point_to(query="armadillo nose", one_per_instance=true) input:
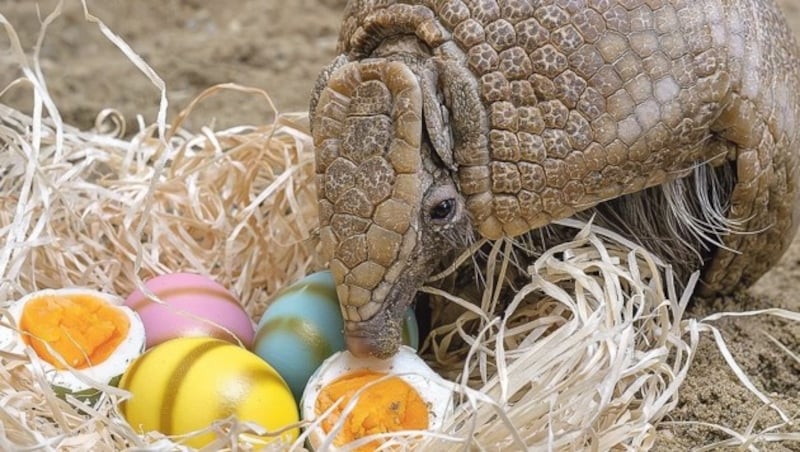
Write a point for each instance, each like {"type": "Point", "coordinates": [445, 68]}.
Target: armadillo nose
{"type": "Point", "coordinates": [361, 346]}
{"type": "Point", "coordinates": [369, 347]}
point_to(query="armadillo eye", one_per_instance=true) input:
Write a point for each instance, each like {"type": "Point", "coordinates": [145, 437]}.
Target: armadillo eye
{"type": "Point", "coordinates": [444, 210]}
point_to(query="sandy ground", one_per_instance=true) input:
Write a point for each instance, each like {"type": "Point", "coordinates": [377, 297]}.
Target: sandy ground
{"type": "Point", "coordinates": [280, 46]}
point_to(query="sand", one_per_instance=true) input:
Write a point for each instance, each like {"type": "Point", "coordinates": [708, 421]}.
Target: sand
{"type": "Point", "coordinates": [280, 47]}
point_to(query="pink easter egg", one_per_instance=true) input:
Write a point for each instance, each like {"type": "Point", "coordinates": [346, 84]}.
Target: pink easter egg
{"type": "Point", "coordinates": [193, 306]}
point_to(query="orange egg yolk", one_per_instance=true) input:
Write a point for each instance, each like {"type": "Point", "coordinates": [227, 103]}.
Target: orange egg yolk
{"type": "Point", "coordinates": [389, 405]}
{"type": "Point", "coordinates": [83, 329]}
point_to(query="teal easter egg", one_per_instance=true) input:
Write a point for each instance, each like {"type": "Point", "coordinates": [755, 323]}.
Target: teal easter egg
{"type": "Point", "coordinates": [303, 326]}
{"type": "Point", "coordinates": [411, 329]}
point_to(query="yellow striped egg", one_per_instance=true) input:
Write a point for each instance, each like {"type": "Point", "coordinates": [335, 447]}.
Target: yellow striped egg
{"type": "Point", "coordinates": [186, 384]}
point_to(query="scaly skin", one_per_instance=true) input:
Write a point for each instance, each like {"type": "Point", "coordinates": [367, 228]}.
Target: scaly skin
{"type": "Point", "coordinates": [442, 120]}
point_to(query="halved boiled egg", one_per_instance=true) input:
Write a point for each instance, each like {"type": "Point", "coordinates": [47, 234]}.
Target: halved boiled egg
{"type": "Point", "coordinates": [401, 394]}
{"type": "Point", "coordinates": [82, 329]}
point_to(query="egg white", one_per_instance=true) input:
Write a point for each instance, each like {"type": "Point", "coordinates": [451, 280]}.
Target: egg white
{"type": "Point", "coordinates": [66, 381]}
{"type": "Point", "coordinates": [406, 364]}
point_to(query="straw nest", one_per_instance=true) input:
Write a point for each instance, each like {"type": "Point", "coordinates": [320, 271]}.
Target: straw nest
{"type": "Point", "coordinates": [589, 353]}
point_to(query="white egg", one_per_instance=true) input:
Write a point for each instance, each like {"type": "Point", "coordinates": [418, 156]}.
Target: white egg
{"type": "Point", "coordinates": [435, 392]}
{"type": "Point", "coordinates": [65, 381]}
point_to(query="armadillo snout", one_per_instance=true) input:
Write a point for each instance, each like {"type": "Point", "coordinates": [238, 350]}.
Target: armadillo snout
{"type": "Point", "coordinates": [380, 336]}
{"type": "Point", "coordinates": [383, 346]}
{"type": "Point", "coordinates": [361, 346]}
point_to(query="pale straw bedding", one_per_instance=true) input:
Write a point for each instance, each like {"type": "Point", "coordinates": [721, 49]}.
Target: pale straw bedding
{"type": "Point", "coordinates": [590, 353]}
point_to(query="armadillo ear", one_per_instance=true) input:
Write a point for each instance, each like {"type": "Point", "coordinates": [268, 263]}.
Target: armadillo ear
{"type": "Point", "coordinates": [322, 82]}
{"type": "Point", "coordinates": [462, 112]}
{"type": "Point", "coordinates": [437, 117]}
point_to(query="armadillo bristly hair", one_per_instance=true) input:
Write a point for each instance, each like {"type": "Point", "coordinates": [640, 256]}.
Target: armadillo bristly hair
{"type": "Point", "coordinates": [673, 122]}
{"type": "Point", "coordinates": [680, 221]}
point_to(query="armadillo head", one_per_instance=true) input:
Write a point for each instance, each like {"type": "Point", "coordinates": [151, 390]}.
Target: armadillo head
{"type": "Point", "coordinates": [389, 207]}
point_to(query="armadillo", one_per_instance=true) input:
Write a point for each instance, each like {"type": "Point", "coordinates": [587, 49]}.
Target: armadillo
{"type": "Point", "coordinates": [676, 121]}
